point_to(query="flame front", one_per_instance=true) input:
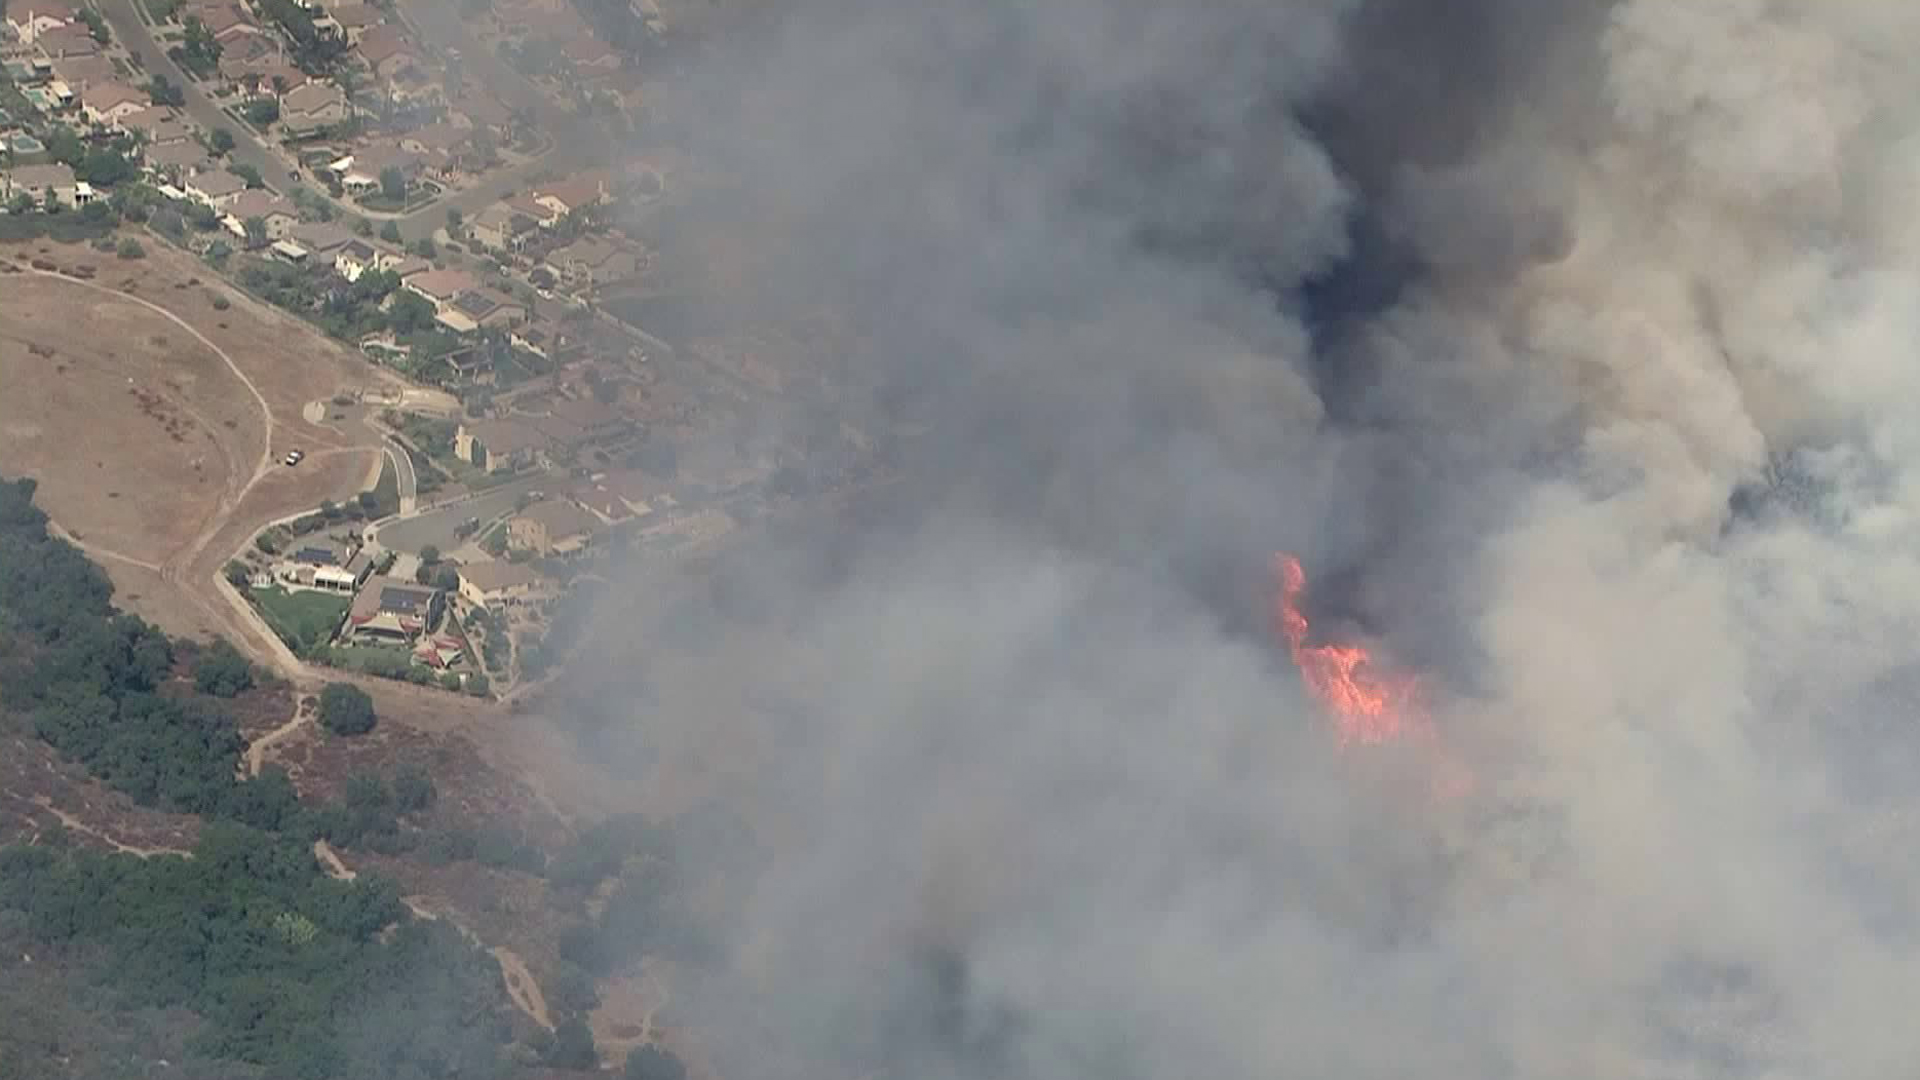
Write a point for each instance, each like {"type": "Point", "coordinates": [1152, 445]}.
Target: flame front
{"type": "Point", "coordinates": [1369, 703]}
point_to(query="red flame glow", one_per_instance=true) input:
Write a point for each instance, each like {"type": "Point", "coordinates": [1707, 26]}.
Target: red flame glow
{"type": "Point", "coordinates": [1369, 703]}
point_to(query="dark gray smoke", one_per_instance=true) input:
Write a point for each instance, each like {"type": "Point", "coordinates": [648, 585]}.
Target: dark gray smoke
{"type": "Point", "coordinates": [1489, 311]}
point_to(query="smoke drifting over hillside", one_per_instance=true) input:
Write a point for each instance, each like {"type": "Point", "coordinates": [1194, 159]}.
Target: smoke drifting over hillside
{"type": "Point", "coordinates": [1046, 808]}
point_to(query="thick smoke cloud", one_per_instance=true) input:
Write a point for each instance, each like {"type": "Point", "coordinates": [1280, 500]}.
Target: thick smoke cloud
{"type": "Point", "coordinates": [1627, 463]}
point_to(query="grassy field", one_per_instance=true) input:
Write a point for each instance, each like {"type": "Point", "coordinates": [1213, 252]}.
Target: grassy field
{"type": "Point", "coordinates": [302, 619]}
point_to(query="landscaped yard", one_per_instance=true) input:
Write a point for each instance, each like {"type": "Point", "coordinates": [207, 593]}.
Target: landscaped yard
{"type": "Point", "coordinates": [302, 618]}
{"type": "Point", "coordinates": [385, 661]}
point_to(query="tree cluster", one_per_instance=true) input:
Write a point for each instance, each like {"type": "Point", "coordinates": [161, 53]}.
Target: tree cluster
{"type": "Point", "coordinates": [290, 970]}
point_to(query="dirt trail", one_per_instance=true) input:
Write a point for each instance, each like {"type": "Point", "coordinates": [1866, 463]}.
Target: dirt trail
{"type": "Point", "coordinates": [76, 825]}
{"type": "Point", "coordinates": [331, 863]}
{"type": "Point", "coordinates": [257, 750]}
{"type": "Point", "coordinates": [521, 985]}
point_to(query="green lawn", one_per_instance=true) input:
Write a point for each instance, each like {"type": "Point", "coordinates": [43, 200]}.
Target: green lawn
{"type": "Point", "coordinates": [302, 619]}
{"type": "Point", "coordinates": [385, 661]}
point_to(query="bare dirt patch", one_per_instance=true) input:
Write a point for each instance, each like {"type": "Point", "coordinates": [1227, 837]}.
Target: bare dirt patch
{"type": "Point", "coordinates": [134, 429]}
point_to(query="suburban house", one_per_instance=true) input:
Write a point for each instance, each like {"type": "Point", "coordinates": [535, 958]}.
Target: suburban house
{"type": "Point", "coordinates": [399, 263]}
{"type": "Point", "coordinates": [309, 108]}
{"type": "Point", "coordinates": [615, 497]}
{"type": "Point", "coordinates": [183, 159]}
{"type": "Point", "coordinates": [81, 72]}
{"type": "Point", "coordinates": [355, 19]}
{"type": "Point", "coordinates": [385, 50]}
{"type": "Point", "coordinates": [551, 528]}
{"type": "Point", "coordinates": [107, 103]}
{"type": "Point", "coordinates": [322, 240]}
{"type": "Point", "coordinates": [441, 286]}
{"type": "Point", "coordinates": [156, 125]}
{"type": "Point", "coordinates": [501, 228]}
{"type": "Point", "coordinates": [41, 182]}
{"type": "Point", "coordinates": [577, 192]}
{"type": "Point", "coordinates": [360, 171]}
{"type": "Point", "coordinates": [343, 578]}
{"type": "Point", "coordinates": [279, 215]}
{"type": "Point", "coordinates": [215, 189]}
{"type": "Point", "coordinates": [498, 445]}
{"type": "Point", "coordinates": [591, 261]}
{"type": "Point", "coordinates": [320, 551]}
{"type": "Point", "coordinates": [545, 338]}
{"type": "Point", "coordinates": [31, 18]}
{"type": "Point", "coordinates": [439, 146]}
{"type": "Point", "coordinates": [482, 112]}
{"type": "Point", "coordinates": [390, 611]}
{"type": "Point", "coordinates": [62, 42]}
{"type": "Point", "coordinates": [355, 257]}
{"type": "Point", "coordinates": [261, 76]}
{"type": "Point", "coordinates": [324, 564]}
{"type": "Point", "coordinates": [497, 584]}
{"type": "Point", "coordinates": [475, 308]}
{"type": "Point", "coordinates": [541, 214]}
{"type": "Point", "coordinates": [225, 21]}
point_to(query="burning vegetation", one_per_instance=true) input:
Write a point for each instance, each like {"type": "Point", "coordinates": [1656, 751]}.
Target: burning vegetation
{"type": "Point", "coordinates": [1370, 703]}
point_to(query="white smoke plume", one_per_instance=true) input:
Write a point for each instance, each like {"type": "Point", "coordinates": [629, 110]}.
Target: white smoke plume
{"type": "Point", "coordinates": [1631, 461]}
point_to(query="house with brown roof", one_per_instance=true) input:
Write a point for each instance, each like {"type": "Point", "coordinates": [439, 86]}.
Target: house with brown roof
{"type": "Point", "coordinates": [617, 496]}
{"type": "Point", "coordinates": [497, 446]}
{"type": "Point", "coordinates": [391, 611]}
{"type": "Point", "coordinates": [279, 215]}
{"type": "Point", "coordinates": [592, 260]}
{"type": "Point", "coordinates": [553, 527]}
{"type": "Point", "coordinates": [321, 239]}
{"type": "Point", "coordinates": [500, 227]}
{"type": "Point", "coordinates": [156, 126]}
{"type": "Point", "coordinates": [440, 147]}
{"type": "Point", "coordinates": [107, 103]}
{"type": "Point", "coordinates": [226, 22]}
{"type": "Point", "coordinates": [385, 50]}
{"type": "Point", "coordinates": [261, 76]}
{"type": "Point", "coordinates": [179, 158]}
{"type": "Point", "coordinates": [482, 307]}
{"type": "Point", "coordinates": [541, 214]}
{"type": "Point", "coordinates": [355, 20]}
{"type": "Point", "coordinates": [482, 110]}
{"type": "Point", "coordinates": [311, 107]}
{"type": "Point", "coordinates": [361, 171]}
{"type": "Point", "coordinates": [41, 183]}
{"type": "Point", "coordinates": [70, 40]}
{"type": "Point", "coordinates": [215, 189]}
{"type": "Point", "coordinates": [441, 286]}
{"type": "Point", "coordinates": [31, 18]}
{"type": "Point", "coordinates": [401, 265]}
{"type": "Point", "coordinates": [571, 193]}
{"type": "Point", "coordinates": [81, 72]}
{"type": "Point", "coordinates": [497, 584]}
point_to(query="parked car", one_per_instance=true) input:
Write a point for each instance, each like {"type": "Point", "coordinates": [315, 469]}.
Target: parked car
{"type": "Point", "coordinates": [294, 457]}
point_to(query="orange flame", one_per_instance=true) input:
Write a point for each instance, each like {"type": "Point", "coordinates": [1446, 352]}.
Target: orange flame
{"type": "Point", "coordinates": [1369, 703]}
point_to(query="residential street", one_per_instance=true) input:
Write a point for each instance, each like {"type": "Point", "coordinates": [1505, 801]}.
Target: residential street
{"type": "Point", "coordinates": [123, 17]}
{"type": "Point", "coordinates": [436, 527]}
